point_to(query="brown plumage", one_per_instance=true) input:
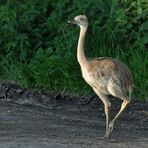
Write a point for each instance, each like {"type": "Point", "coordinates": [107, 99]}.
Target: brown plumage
{"type": "Point", "coordinates": [107, 76]}
{"type": "Point", "coordinates": [106, 68]}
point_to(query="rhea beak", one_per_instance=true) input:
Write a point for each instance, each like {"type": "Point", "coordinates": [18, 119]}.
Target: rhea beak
{"type": "Point", "coordinates": [71, 22]}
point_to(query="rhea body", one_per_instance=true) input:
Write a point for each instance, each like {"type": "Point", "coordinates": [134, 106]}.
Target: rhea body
{"type": "Point", "coordinates": [107, 76]}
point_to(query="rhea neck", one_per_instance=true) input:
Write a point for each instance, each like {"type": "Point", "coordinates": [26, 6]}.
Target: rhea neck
{"type": "Point", "coordinates": [80, 48]}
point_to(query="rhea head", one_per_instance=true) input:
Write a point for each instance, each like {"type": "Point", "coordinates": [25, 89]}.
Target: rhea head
{"type": "Point", "coordinates": [80, 20]}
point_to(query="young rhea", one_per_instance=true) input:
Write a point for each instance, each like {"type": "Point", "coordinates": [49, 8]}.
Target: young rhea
{"type": "Point", "coordinates": [107, 76]}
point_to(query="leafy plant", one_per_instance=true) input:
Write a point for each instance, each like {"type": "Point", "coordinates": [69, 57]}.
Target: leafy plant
{"type": "Point", "coordinates": [38, 48]}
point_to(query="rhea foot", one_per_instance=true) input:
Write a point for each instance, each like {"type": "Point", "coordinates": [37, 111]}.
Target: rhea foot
{"type": "Point", "coordinates": [109, 131]}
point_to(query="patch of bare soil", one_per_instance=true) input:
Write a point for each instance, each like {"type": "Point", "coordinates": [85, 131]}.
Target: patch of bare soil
{"type": "Point", "coordinates": [41, 119]}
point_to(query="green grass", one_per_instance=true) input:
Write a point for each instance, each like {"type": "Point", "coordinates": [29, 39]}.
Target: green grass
{"type": "Point", "coordinates": [38, 47]}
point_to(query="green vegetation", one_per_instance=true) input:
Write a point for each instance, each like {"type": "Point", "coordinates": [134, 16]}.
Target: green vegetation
{"type": "Point", "coordinates": [38, 48]}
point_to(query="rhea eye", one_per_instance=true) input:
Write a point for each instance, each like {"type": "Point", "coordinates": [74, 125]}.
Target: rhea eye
{"type": "Point", "coordinates": [81, 19]}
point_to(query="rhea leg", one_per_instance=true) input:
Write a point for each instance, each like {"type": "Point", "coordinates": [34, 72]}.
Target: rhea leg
{"type": "Point", "coordinates": [107, 106]}
{"type": "Point", "coordinates": [111, 124]}
{"type": "Point", "coordinates": [117, 92]}
{"type": "Point", "coordinates": [107, 111]}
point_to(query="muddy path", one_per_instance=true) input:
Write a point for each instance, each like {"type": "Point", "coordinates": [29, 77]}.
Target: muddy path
{"type": "Point", "coordinates": [41, 119]}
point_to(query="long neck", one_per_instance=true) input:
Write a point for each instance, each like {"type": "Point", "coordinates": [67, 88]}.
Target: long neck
{"type": "Point", "coordinates": [80, 48]}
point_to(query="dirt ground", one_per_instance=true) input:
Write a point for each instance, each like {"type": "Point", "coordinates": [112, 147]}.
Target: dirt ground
{"type": "Point", "coordinates": [41, 119]}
